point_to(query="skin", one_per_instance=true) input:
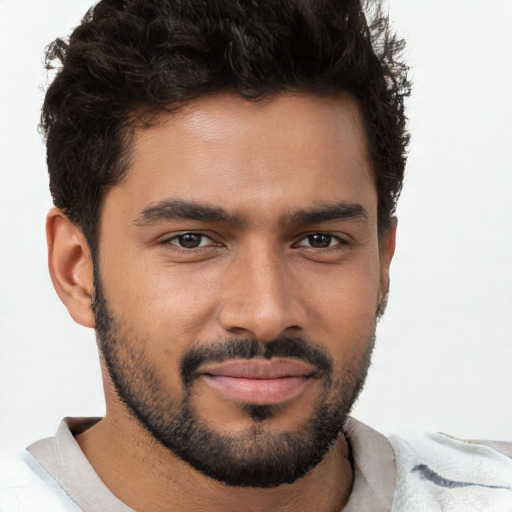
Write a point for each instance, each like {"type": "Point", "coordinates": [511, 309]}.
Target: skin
{"type": "Point", "coordinates": [261, 162]}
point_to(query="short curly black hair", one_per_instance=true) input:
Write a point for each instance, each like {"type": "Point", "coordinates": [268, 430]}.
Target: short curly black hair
{"type": "Point", "coordinates": [128, 55]}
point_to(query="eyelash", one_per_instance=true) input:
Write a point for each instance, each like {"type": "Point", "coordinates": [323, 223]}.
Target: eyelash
{"type": "Point", "coordinates": [340, 241]}
{"type": "Point", "coordinates": [332, 237]}
{"type": "Point", "coordinates": [169, 240]}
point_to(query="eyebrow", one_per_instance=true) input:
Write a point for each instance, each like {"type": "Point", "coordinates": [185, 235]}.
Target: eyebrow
{"type": "Point", "coordinates": [329, 212]}
{"type": "Point", "coordinates": [178, 209]}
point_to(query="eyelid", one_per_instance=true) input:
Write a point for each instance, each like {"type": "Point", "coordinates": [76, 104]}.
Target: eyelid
{"type": "Point", "coordinates": [340, 237]}
{"type": "Point", "coordinates": [168, 239]}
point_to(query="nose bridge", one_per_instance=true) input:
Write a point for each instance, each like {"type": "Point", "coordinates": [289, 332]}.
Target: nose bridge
{"type": "Point", "coordinates": [260, 298]}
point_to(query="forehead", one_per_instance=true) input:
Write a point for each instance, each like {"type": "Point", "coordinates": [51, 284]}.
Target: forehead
{"type": "Point", "coordinates": [289, 149]}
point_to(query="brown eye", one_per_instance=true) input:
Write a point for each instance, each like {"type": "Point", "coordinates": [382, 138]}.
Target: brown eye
{"type": "Point", "coordinates": [190, 240]}
{"type": "Point", "coordinates": [319, 240]}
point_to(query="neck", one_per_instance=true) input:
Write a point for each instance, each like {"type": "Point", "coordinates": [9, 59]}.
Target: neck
{"type": "Point", "coordinates": [147, 476]}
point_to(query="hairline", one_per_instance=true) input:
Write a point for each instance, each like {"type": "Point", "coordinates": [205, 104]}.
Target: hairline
{"type": "Point", "coordinates": [145, 117]}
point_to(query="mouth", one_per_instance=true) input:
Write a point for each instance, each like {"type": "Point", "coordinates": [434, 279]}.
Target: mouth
{"type": "Point", "coordinates": [259, 381]}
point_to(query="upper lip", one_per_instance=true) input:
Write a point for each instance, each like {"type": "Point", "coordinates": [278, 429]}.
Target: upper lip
{"type": "Point", "coordinates": [275, 368]}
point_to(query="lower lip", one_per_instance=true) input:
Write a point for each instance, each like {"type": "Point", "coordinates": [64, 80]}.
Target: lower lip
{"type": "Point", "coordinates": [258, 391]}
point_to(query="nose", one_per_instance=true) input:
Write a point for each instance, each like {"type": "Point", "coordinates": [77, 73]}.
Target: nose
{"type": "Point", "coordinates": [260, 298]}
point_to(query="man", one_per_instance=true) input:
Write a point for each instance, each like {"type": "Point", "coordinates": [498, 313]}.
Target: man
{"type": "Point", "coordinates": [225, 176]}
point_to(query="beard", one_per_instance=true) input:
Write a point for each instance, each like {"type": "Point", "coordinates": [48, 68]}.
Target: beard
{"type": "Point", "coordinates": [260, 456]}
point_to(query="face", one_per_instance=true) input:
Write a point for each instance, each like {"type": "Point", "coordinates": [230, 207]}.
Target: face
{"type": "Point", "coordinates": [238, 281]}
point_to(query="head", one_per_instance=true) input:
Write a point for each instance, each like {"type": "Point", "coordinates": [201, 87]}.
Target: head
{"type": "Point", "coordinates": [225, 176]}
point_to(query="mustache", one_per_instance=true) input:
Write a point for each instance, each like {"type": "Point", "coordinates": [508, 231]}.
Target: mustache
{"type": "Point", "coordinates": [243, 348]}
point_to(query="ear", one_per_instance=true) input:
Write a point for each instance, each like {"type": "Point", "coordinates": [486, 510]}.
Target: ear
{"type": "Point", "coordinates": [70, 265]}
{"type": "Point", "coordinates": [387, 244]}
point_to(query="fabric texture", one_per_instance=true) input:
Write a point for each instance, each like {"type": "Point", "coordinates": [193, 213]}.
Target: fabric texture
{"type": "Point", "coordinates": [25, 486]}
{"type": "Point", "coordinates": [436, 472]}
{"type": "Point", "coordinates": [430, 473]}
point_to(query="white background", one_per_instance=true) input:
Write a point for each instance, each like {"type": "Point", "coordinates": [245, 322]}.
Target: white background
{"type": "Point", "coordinates": [444, 352]}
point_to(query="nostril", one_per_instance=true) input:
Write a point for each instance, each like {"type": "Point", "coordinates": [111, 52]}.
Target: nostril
{"type": "Point", "coordinates": [239, 331]}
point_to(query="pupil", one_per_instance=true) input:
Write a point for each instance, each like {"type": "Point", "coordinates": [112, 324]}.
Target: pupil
{"type": "Point", "coordinates": [190, 241]}
{"type": "Point", "coordinates": [319, 240]}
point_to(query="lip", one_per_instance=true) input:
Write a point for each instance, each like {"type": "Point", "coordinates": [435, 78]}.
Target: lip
{"type": "Point", "coordinates": [259, 381]}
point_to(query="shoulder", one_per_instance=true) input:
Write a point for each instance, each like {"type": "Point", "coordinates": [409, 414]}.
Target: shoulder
{"type": "Point", "coordinates": [439, 472]}
{"type": "Point", "coordinates": [26, 486]}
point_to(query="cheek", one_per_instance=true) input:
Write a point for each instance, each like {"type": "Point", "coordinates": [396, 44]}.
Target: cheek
{"type": "Point", "coordinates": [167, 302]}
{"type": "Point", "coordinates": [342, 304]}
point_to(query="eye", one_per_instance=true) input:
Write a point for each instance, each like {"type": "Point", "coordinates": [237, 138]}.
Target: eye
{"type": "Point", "coordinates": [190, 240]}
{"type": "Point", "coordinates": [320, 241]}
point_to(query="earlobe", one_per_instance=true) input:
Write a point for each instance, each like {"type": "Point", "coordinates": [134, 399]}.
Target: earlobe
{"type": "Point", "coordinates": [387, 250]}
{"type": "Point", "coordinates": [70, 265]}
